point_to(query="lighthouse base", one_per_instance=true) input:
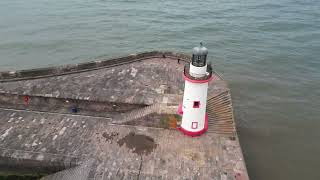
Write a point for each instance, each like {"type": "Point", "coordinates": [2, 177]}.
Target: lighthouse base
{"type": "Point", "coordinates": [196, 133]}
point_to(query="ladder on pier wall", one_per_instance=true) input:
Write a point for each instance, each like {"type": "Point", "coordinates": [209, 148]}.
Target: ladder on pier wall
{"type": "Point", "coordinates": [220, 114]}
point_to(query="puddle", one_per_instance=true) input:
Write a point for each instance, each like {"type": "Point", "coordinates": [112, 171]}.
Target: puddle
{"type": "Point", "coordinates": [139, 144]}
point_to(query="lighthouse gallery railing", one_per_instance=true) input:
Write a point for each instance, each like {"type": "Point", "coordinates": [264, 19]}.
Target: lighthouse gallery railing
{"type": "Point", "coordinates": [208, 75]}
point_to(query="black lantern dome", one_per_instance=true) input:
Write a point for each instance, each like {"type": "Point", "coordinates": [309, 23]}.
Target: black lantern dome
{"type": "Point", "coordinates": [199, 56]}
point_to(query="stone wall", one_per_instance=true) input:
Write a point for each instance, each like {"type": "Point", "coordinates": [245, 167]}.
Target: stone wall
{"type": "Point", "coordinates": [61, 105]}
{"type": "Point", "coordinates": [88, 66]}
{"type": "Point", "coordinates": [49, 164]}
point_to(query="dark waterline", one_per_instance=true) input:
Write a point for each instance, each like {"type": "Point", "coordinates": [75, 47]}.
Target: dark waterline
{"type": "Point", "coordinates": [267, 50]}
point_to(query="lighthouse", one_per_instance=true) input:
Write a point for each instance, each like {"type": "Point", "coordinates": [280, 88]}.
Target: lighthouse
{"type": "Point", "coordinates": [197, 76]}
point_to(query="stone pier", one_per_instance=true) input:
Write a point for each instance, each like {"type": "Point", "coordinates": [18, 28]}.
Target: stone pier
{"type": "Point", "coordinates": [114, 119]}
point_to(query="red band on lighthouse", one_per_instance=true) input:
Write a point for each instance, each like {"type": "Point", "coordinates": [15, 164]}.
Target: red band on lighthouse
{"type": "Point", "coordinates": [196, 133]}
{"type": "Point", "coordinates": [180, 111]}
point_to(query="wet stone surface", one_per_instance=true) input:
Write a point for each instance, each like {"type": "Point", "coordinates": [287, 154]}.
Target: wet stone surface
{"type": "Point", "coordinates": [138, 143]}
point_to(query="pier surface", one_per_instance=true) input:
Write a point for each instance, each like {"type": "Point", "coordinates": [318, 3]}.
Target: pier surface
{"type": "Point", "coordinates": [111, 119]}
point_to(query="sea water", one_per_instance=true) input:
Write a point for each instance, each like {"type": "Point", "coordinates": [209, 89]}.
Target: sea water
{"type": "Point", "coordinates": [268, 51]}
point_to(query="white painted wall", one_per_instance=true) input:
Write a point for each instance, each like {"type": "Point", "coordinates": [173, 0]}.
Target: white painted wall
{"type": "Point", "coordinates": [194, 92]}
{"type": "Point", "coordinates": [198, 71]}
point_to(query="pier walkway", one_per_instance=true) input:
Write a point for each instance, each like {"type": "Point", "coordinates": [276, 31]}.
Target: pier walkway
{"type": "Point", "coordinates": [101, 120]}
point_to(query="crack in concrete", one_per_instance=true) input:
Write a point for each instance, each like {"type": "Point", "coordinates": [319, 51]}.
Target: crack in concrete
{"type": "Point", "coordinates": [140, 168]}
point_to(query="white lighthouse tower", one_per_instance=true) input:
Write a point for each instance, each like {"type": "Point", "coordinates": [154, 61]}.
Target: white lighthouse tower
{"type": "Point", "coordinates": [197, 75]}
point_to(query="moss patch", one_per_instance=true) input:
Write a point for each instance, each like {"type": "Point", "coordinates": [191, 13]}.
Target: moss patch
{"type": "Point", "coordinates": [170, 121]}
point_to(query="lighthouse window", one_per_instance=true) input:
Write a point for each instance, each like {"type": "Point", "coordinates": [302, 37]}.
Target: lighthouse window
{"type": "Point", "coordinates": [199, 60]}
{"type": "Point", "coordinates": [194, 125]}
{"type": "Point", "coordinates": [196, 104]}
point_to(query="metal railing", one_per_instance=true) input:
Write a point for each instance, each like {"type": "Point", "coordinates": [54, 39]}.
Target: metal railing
{"type": "Point", "coordinates": [208, 75]}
